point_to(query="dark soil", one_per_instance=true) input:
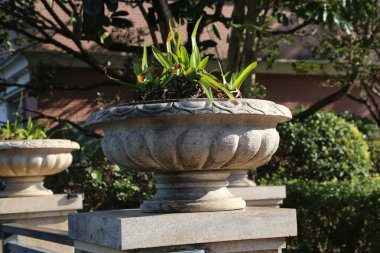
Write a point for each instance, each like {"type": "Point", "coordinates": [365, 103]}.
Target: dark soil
{"type": "Point", "coordinates": [178, 87]}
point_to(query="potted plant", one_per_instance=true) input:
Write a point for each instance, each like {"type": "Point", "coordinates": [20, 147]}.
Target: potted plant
{"type": "Point", "coordinates": [190, 128]}
{"type": "Point", "coordinates": [27, 156]}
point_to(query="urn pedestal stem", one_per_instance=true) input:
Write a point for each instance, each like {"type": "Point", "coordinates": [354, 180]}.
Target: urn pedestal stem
{"type": "Point", "coordinates": [197, 191]}
{"type": "Point", "coordinates": [25, 187]}
{"type": "Point", "coordinates": [239, 178]}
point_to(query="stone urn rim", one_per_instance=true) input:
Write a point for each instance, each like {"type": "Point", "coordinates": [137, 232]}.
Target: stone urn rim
{"type": "Point", "coordinates": [39, 144]}
{"type": "Point", "coordinates": [191, 106]}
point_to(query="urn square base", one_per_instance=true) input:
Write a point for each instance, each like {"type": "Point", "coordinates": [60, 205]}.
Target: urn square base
{"type": "Point", "coordinates": [253, 229]}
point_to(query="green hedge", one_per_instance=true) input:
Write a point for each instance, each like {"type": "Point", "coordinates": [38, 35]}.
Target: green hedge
{"type": "Point", "coordinates": [322, 147]}
{"type": "Point", "coordinates": [340, 216]}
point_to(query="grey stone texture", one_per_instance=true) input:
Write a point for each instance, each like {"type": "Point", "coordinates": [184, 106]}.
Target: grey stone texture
{"type": "Point", "coordinates": [125, 230]}
{"type": "Point", "coordinates": [191, 135]}
{"type": "Point", "coordinates": [263, 196]}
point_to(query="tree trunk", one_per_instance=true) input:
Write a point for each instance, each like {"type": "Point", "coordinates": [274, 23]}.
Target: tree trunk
{"type": "Point", "coordinates": [165, 16]}
{"type": "Point", "coordinates": [249, 53]}
{"type": "Point", "coordinates": [233, 56]}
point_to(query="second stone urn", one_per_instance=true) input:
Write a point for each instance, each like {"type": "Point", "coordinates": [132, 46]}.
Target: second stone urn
{"type": "Point", "coordinates": [25, 163]}
{"type": "Point", "coordinates": [192, 145]}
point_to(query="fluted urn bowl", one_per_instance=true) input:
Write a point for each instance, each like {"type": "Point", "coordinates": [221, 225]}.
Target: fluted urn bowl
{"type": "Point", "coordinates": [191, 145]}
{"type": "Point", "coordinates": [25, 163]}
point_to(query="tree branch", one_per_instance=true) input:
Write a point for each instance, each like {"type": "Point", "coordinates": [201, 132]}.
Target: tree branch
{"type": "Point", "coordinates": [292, 30]}
{"type": "Point", "coordinates": [85, 131]}
{"type": "Point", "coordinates": [54, 15]}
{"type": "Point", "coordinates": [372, 99]}
{"type": "Point", "coordinates": [323, 102]}
{"type": "Point", "coordinates": [150, 27]}
{"type": "Point", "coordinates": [375, 116]}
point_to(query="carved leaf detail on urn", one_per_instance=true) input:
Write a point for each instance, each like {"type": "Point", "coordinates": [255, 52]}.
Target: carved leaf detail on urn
{"type": "Point", "coordinates": [191, 145]}
{"type": "Point", "coordinates": [217, 135]}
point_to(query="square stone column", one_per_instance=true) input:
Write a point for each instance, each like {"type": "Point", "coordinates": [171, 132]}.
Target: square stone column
{"type": "Point", "coordinates": [253, 229]}
{"type": "Point", "coordinates": [45, 211]}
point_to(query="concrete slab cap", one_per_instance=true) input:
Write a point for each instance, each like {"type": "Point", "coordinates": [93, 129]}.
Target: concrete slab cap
{"type": "Point", "coordinates": [57, 202]}
{"type": "Point", "coordinates": [259, 192]}
{"type": "Point", "coordinates": [131, 229]}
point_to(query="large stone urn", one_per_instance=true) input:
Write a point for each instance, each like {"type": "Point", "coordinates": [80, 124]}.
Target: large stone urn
{"type": "Point", "coordinates": [192, 145]}
{"type": "Point", "coordinates": [25, 163]}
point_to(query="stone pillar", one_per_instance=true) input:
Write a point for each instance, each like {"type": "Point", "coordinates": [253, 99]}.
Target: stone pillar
{"type": "Point", "coordinates": [45, 211]}
{"type": "Point", "coordinates": [253, 229]}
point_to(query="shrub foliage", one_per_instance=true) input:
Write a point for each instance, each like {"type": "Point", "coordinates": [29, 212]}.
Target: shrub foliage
{"type": "Point", "coordinates": [338, 216]}
{"type": "Point", "coordinates": [322, 147]}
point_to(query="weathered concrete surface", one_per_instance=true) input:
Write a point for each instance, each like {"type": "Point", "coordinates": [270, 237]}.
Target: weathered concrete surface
{"type": "Point", "coordinates": [131, 229]}
{"type": "Point", "coordinates": [264, 196]}
{"type": "Point", "coordinates": [36, 205]}
{"type": "Point", "coordinates": [47, 211]}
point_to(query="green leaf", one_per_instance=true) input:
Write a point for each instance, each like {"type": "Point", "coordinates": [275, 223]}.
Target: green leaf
{"type": "Point", "coordinates": [129, 85]}
{"type": "Point", "coordinates": [166, 80]}
{"type": "Point", "coordinates": [160, 58]}
{"type": "Point", "coordinates": [243, 75]}
{"type": "Point", "coordinates": [144, 62]}
{"type": "Point", "coordinates": [203, 63]}
{"type": "Point", "coordinates": [103, 37]}
{"type": "Point", "coordinates": [169, 46]}
{"type": "Point", "coordinates": [206, 88]}
{"type": "Point", "coordinates": [94, 175]}
{"type": "Point", "coordinates": [136, 69]}
{"type": "Point", "coordinates": [179, 37]}
{"type": "Point", "coordinates": [221, 72]}
{"type": "Point", "coordinates": [175, 57]}
{"type": "Point", "coordinates": [185, 56]}
{"type": "Point", "coordinates": [195, 55]}
{"type": "Point", "coordinates": [188, 71]}
{"type": "Point", "coordinates": [212, 81]}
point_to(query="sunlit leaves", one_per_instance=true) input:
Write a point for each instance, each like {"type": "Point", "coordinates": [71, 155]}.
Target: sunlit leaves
{"type": "Point", "coordinates": [16, 131]}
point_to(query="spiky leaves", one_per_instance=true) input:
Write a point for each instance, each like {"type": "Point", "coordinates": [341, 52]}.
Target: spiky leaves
{"type": "Point", "coordinates": [184, 75]}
